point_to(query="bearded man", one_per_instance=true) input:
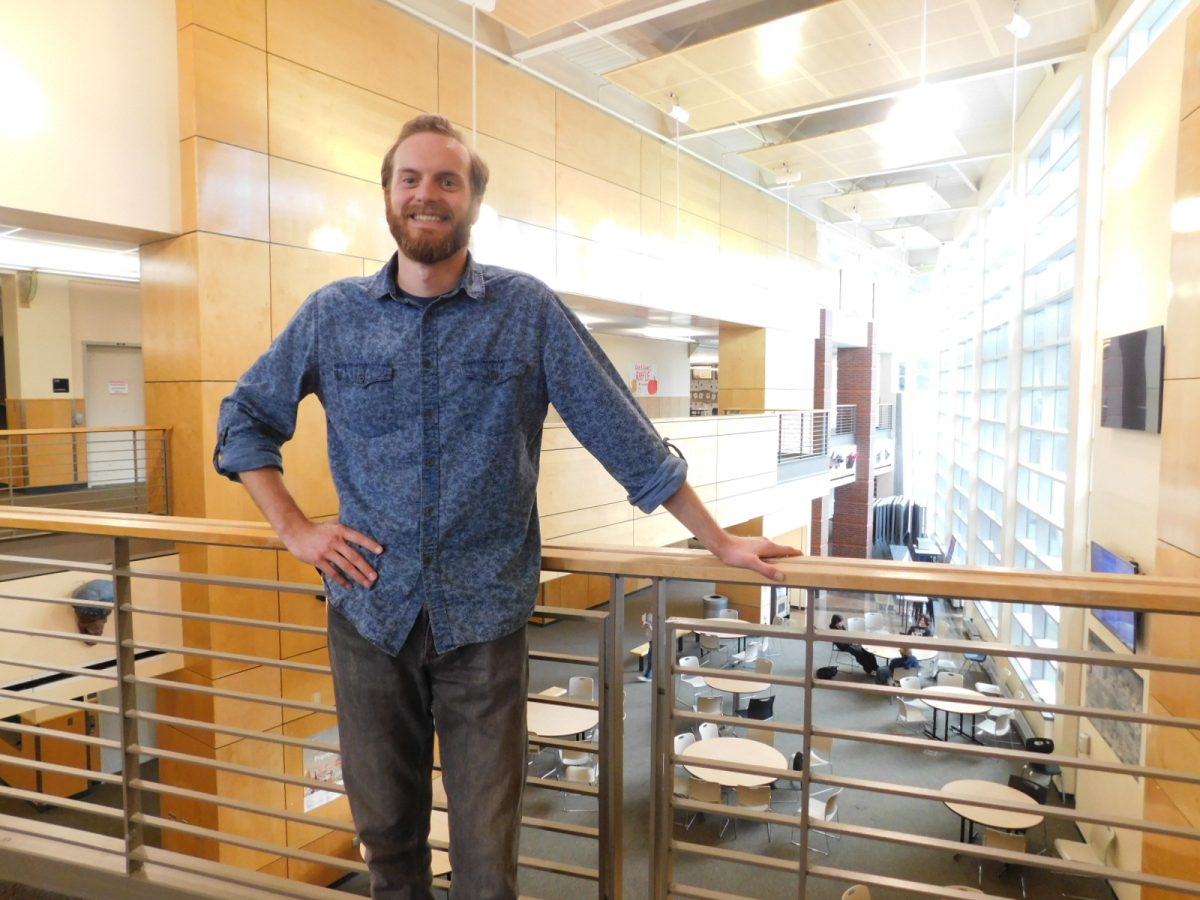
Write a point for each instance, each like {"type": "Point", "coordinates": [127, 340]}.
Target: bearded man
{"type": "Point", "coordinates": [435, 374]}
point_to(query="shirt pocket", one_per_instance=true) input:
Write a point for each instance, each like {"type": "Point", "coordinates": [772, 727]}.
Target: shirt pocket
{"type": "Point", "coordinates": [498, 394]}
{"type": "Point", "coordinates": [365, 399]}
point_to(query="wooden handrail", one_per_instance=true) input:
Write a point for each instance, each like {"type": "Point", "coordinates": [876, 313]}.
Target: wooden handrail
{"type": "Point", "coordinates": [1151, 594]}
{"type": "Point", "coordinates": [23, 432]}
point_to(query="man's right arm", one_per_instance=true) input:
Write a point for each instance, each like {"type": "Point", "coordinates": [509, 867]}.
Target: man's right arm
{"type": "Point", "coordinates": [326, 545]}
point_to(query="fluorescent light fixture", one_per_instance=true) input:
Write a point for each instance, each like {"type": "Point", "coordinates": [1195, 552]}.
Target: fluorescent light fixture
{"type": "Point", "coordinates": [482, 5]}
{"type": "Point", "coordinates": [679, 114]}
{"type": "Point", "coordinates": [664, 333]}
{"type": "Point", "coordinates": [67, 259]}
{"type": "Point", "coordinates": [787, 175]}
{"type": "Point", "coordinates": [779, 44]}
{"type": "Point", "coordinates": [1019, 27]}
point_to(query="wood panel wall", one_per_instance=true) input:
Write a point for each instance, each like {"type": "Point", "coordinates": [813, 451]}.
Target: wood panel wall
{"type": "Point", "coordinates": [286, 108]}
{"type": "Point", "coordinates": [1179, 517]}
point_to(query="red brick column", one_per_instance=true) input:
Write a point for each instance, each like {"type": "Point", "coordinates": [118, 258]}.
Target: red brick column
{"type": "Point", "coordinates": [851, 534]}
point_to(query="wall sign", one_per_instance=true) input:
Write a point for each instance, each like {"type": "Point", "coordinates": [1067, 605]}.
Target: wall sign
{"type": "Point", "coordinates": [61, 385]}
{"type": "Point", "coordinates": [118, 387]}
{"type": "Point", "coordinates": [645, 380]}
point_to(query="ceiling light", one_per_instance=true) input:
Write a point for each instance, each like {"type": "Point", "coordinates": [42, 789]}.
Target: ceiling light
{"type": "Point", "coordinates": [678, 113]}
{"type": "Point", "coordinates": [486, 6]}
{"type": "Point", "coordinates": [785, 174]}
{"type": "Point", "coordinates": [1019, 27]}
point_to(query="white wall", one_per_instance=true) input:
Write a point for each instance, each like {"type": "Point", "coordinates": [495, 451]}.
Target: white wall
{"type": "Point", "coordinates": [669, 357]}
{"type": "Point", "coordinates": [41, 342]}
{"type": "Point", "coordinates": [89, 115]}
{"type": "Point", "coordinates": [102, 313]}
{"type": "Point", "coordinates": [1135, 265]}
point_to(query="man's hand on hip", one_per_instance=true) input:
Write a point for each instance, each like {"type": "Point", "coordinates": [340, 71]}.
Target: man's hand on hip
{"type": "Point", "coordinates": [330, 547]}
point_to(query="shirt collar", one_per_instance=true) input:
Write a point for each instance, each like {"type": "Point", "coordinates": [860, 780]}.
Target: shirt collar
{"type": "Point", "coordinates": [383, 284]}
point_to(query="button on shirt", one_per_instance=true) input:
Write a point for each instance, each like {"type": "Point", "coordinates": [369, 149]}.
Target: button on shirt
{"type": "Point", "coordinates": [434, 416]}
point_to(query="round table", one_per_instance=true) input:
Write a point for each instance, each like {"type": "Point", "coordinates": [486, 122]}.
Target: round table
{"type": "Point", "coordinates": [742, 751]}
{"type": "Point", "coordinates": [890, 651]}
{"type": "Point", "coordinates": [735, 686]}
{"type": "Point", "coordinates": [1002, 819]}
{"type": "Point", "coordinates": [959, 701]}
{"type": "Point", "coordinates": [558, 720]}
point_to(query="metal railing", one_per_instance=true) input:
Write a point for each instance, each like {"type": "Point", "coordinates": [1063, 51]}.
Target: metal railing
{"type": "Point", "coordinates": [173, 790]}
{"type": "Point", "coordinates": [846, 419]}
{"type": "Point", "coordinates": [109, 469]}
{"type": "Point", "coordinates": [887, 417]}
{"type": "Point", "coordinates": [803, 433]}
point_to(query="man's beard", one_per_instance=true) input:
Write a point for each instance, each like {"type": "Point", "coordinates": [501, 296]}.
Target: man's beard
{"type": "Point", "coordinates": [427, 249]}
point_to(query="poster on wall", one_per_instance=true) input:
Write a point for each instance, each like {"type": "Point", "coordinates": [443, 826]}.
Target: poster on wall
{"type": "Point", "coordinates": [322, 765]}
{"type": "Point", "coordinates": [1110, 687]}
{"type": "Point", "coordinates": [645, 380]}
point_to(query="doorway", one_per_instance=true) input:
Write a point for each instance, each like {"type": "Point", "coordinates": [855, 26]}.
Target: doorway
{"type": "Point", "coordinates": [114, 395]}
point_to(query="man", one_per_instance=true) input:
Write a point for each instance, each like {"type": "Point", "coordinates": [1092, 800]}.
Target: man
{"type": "Point", "coordinates": [435, 375]}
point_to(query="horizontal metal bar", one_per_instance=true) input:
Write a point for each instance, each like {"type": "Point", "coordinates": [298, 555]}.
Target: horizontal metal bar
{"type": "Point", "coordinates": [753, 859]}
{"type": "Point", "coordinates": [237, 840]}
{"type": "Point", "coordinates": [60, 669]}
{"type": "Point", "coordinates": [559, 868]}
{"type": "Point", "coordinates": [166, 684]}
{"type": "Point", "coordinates": [563, 612]}
{"type": "Point", "coordinates": [42, 562]}
{"type": "Point", "coordinates": [82, 806]}
{"type": "Point", "coordinates": [569, 828]}
{"type": "Point", "coordinates": [565, 744]}
{"type": "Point", "coordinates": [217, 800]}
{"type": "Point", "coordinates": [55, 768]}
{"type": "Point", "coordinates": [72, 636]}
{"type": "Point", "coordinates": [247, 878]}
{"type": "Point", "coordinates": [40, 731]}
{"type": "Point", "coordinates": [65, 704]}
{"type": "Point", "coordinates": [257, 584]}
{"type": "Point", "coordinates": [568, 658]}
{"type": "Point", "coordinates": [220, 728]}
{"type": "Point", "coordinates": [237, 769]}
{"type": "Point", "coordinates": [227, 620]}
{"type": "Point", "coordinates": [231, 657]}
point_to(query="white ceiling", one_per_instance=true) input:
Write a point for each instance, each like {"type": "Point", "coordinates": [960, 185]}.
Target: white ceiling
{"type": "Point", "coordinates": [801, 92]}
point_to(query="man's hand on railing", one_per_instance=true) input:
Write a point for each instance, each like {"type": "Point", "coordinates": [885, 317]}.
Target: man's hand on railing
{"type": "Point", "coordinates": [752, 552]}
{"type": "Point", "coordinates": [734, 550]}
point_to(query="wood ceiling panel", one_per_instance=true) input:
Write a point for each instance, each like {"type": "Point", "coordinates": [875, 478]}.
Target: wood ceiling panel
{"type": "Point", "coordinates": [534, 17]}
{"type": "Point", "coordinates": [841, 49]}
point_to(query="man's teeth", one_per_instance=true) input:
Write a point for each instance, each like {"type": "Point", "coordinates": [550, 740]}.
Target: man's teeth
{"type": "Point", "coordinates": [427, 218]}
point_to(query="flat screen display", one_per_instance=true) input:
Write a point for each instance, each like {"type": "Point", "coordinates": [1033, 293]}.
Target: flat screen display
{"type": "Point", "coordinates": [1121, 622]}
{"type": "Point", "coordinates": [1131, 381]}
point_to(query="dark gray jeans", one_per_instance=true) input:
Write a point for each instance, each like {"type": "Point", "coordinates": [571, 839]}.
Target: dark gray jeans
{"type": "Point", "coordinates": [387, 706]}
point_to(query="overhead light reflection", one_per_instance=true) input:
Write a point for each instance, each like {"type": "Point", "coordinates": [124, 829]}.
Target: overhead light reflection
{"type": "Point", "coordinates": [1185, 215]}
{"type": "Point", "coordinates": [779, 43]}
{"type": "Point", "coordinates": [23, 104]}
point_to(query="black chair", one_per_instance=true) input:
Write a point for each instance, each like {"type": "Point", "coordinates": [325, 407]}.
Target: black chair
{"type": "Point", "coordinates": [761, 708]}
{"type": "Point", "coordinates": [1047, 770]}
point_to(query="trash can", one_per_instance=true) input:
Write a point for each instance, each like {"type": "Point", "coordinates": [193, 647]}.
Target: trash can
{"type": "Point", "coordinates": [714, 605]}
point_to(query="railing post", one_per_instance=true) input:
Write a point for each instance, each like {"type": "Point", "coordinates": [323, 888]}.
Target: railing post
{"type": "Point", "coordinates": [139, 506]}
{"type": "Point", "coordinates": [166, 471]}
{"type": "Point", "coordinates": [612, 746]}
{"type": "Point", "coordinates": [661, 777]}
{"type": "Point", "coordinates": [805, 780]}
{"type": "Point", "coordinates": [131, 795]}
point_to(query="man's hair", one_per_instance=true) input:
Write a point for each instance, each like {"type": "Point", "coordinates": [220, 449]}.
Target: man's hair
{"type": "Point", "coordinates": [435, 124]}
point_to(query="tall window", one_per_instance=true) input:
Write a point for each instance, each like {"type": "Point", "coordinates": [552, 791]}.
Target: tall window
{"type": "Point", "coordinates": [1052, 178]}
{"type": "Point", "coordinates": [1036, 625]}
{"type": "Point", "coordinates": [1145, 31]}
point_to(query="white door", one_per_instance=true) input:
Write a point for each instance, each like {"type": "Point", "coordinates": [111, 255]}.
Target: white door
{"type": "Point", "coordinates": [114, 397]}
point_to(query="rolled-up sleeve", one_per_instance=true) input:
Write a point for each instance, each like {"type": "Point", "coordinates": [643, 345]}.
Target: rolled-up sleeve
{"type": "Point", "coordinates": [600, 411]}
{"type": "Point", "coordinates": [259, 416]}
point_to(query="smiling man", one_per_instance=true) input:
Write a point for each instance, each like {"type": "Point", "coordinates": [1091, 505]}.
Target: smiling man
{"type": "Point", "coordinates": [435, 375]}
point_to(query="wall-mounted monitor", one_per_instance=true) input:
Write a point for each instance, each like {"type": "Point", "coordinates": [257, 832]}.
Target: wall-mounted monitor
{"type": "Point", "coordinates": [1121, 622]}
{"type": "Point", "coordinates": [1131, 381]}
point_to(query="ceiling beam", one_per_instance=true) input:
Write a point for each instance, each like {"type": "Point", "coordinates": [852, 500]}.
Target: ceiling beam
{"type": "Point", "coordinates": [587, 34]}
{"type": "Point", "coordinates": [1037, 58]}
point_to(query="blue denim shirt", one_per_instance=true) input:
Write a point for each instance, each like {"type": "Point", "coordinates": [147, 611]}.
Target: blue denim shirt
{"type": "Point", "coordinates": [435, 415]}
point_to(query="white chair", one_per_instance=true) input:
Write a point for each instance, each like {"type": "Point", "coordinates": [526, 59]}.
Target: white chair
{"type": "Point", "coordinates": [709, 643]}
{"type": "Point", "coordinates": [818, 744]}
{"type": "Point", "coordinates": [762, 735]}
{"type": "Point", "coordinates": [728, 614]}
{"type": "Point", "coordinates": [1004, 840]}
{"type": "Point", "coordinates": [704, 792]}
{"type": "Point", "coordinates": [822, 809]}
{"type": "Point", "coordinates": [711, 704]}
{"type": "Point", "coordinates": [997, 724]}
{"type": "Point", "coordinates": [949, 679]}
{"type": "Point", "coordinates": [581, 687]}
{"type": "Point", "coordinates": [910, 713]}
{"type": "Point", "coordinates": [856, 623]}
{"type": "Point", "coordinates": [749, 655]}
{"type": "Point", "coordinates": [857, 892]}
{"type": "Point", "coordinates": [695, 682]}
{"type": "Point", "coordinates": [768, 646]}
{"type": "Point", "coordinates": [1096, 853]}
{"type": "Point", "coordinates": [683, 740]}
{"type": "Point", "coordinates": [910, 682]}
{"type": "Point", "coordinates": [708, 731]}
{"type": "Point", "coordinates": [873, 621]}
{"type": "Point", "coordinates": [756, 798]}
{"type": "Point", "coordinates": [586, 775]}
{"type": "Point", "coordinates": [986, 687]}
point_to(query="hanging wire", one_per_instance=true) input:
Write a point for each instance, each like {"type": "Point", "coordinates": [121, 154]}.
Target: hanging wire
{"type": "Point", "coordinates": [474, 83]}
{"type": "Point", "coordinates": [924, 36]}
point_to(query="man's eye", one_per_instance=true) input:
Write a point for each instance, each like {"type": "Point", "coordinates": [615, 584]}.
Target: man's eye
{"type": "Point", "coordinates": [449, 183]}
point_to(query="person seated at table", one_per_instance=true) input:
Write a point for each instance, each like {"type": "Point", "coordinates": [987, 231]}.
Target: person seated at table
{"type": "Point", "coordinates": [865, 658]}
{"type": "Point", "coordinates": [906, 660]}
{"type": "Point", "coordinates": [921, 629]}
